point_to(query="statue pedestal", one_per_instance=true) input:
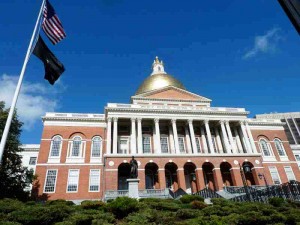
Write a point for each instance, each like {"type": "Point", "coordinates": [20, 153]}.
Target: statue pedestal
{"type": "Point", "coordinates": [133, 188]}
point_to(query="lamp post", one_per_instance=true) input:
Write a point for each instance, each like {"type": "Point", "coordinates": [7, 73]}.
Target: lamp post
{"type": "Point", "coordinates": [262, 176]}
{"type": "Point", "coordinates": [243, 170]}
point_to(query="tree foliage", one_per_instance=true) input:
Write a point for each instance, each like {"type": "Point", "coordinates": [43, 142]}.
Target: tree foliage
{"type": "Point", "coordinates": [14, 178]}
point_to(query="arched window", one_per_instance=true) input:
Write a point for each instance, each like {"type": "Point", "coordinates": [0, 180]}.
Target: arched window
{"type": "Point", "coordinates": [56, 144]}
{"type": "Point", "coordinates": [96, 147]}
{"type": "Point", "coordinates": [76, 146]}
{"type": "Point", "coordinates": [279, 147]}
{"type": "Point", "coordinates": [265, 147]}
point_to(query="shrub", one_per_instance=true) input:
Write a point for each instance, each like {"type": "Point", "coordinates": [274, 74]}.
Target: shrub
{"type": "Point", "coordinates": [10, 205]}
{"type": "Point", "coordinates": [186, 213]}
{"type": "Point", "coordinates": [59, 202]}
{"type": "Point", "coordinates": [198, 205]}
{"type": "Point", "coordinates": [92, 204]}
{"type": "Point", "coordinates": [276, 201]}
{"type": "Point", "coordinates": [160, 204]}
{"type": "Point", "coordinates": [9, 223]}
{"type": "Point", "coordinates": [190, 198]}
{"type": "Point", "coordinates": [122, 206]}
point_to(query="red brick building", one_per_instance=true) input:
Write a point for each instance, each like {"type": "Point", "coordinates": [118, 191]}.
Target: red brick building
{"type": "Point", "coordinates": [178, 139]}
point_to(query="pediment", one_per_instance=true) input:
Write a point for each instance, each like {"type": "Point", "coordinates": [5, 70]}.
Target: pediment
{"type": "Point", "coordinates": [172, 93]}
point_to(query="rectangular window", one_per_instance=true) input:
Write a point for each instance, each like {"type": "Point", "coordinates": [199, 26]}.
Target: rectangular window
{"type": "Point", "coordinates": [164, 144]}
{"type": "Point", "coordinates": [289, 173]}
{"type": "Point", "coordinates": [73, 179]}
{"type": "Point", "coordinates": [274, 175]}
{"type": "Point", "coordinates": [181, 144]}
{"type": "Point", "coordinates": [146, 144]}
{"type": "Point", "coordinates": [32, 161]}
{"type": "Point", "coordinates": [96, 148]}
{"type": "Point", "coordinates": [94, 180]}
{"type": "Point", "coordinates": [297, 157]}
{"type": "Point", "coordinates": [198, 145]}
{"type": "Point", "coordinates": [123, 146]}
{"type": "Point", "coordinates": [50, 181]}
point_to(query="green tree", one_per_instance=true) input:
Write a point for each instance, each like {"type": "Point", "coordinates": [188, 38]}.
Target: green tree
{"type": "Point", "coordinates": [14, 178]}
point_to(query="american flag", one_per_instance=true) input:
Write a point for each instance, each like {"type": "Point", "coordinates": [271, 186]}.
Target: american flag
{"type": "Point", "coordinates": [52, 25]}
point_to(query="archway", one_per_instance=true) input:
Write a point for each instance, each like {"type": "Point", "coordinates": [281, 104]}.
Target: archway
{"type": "Point", "coordinates": [226, 174]}
{"type": "Point", "coordinates": [208, 175]}
{"type": "Point", "coordinates": [190, 177]}
{"type": "Point", "coordinates": [151, 176]}
{"type": "Point", "coordinates": [123, 175]}
{"type": "Point", "coordinates": [249, 173]}
{"type": "Point", "coordinates": [171, 176]}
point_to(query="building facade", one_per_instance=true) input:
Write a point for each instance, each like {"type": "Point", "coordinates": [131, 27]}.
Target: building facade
{"type": "Point", "coordinates": [177, 137]}
{"type": "Point", "coordinates": [291, 127]}
{"type": "Point", "coordinates": [29, 155]}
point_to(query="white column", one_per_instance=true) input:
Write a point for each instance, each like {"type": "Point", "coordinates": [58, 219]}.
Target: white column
{"type": "Point", "coordinates": [238, 140]}
{"type": "Point", "coordinates": [254, 150]}
{"type": "Point", "coordinates": [175, 136]}
{"type": "Point", "coordinates": [232, 145]}
{"type": "Point", "coordinates": [171, 139]}
{"type": "Point", "coordinates": [244, 149]}
{"type": "Point", "coordinates": [157, 137]}
{"type": "Point", "coordinates": [245, 137]}
{"type": "Point", "coordinates": [140, 136]}
{"type": "Point", "coordinates": [225, 138]}
{"type": "Point", "coordinates": [296, 125]}
{"type": "Point", "coordinates": [219, 143]}
{"type": "Point", "coordinates": [210, 143]}
{"type": "Point", "coordinates": [188, 139]}
{"type": "Point", "coordinates": [115, 138]}
{"type": "Point", "coordinates": [192, 133]}
{"type": "Point", "coordinates": [108, 136]}
{"type": "Point", "coordinates": [291, 131]}
{"type": "Point", "coordinates": [204, 142]}
{"type": "Point", "coordinates": [133, 137]}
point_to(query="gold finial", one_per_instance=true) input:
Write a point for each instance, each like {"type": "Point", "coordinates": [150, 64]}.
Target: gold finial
{"type": "Point", "coordinates": [156, 59]}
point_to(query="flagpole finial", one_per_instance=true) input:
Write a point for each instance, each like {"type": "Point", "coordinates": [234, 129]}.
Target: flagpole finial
{"type": "Point", "coordinates": [158, 67]}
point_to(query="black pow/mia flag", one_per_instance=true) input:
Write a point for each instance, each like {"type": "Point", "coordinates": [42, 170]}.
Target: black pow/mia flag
{"type": "Point", "coordinates": [53, 67]}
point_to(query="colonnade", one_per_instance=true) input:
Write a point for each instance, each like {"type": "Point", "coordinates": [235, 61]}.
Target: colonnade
{"type": "Point", "coordinates": [225, 141]}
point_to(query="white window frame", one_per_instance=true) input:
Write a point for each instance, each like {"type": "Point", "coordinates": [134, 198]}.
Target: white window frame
{"type": "Point", "coordinates": [292, 172]}
{"type": "Point", "coordinates": [184, 150]}
{"type": "Point", "coordinates": [297, 157]}
{"type": "Point", "coordinates": [150, 140]}
{"type": "Point", "coordinates": [69, 181]}
{"type": "Point", "coordinates": [282, 157]}
{"type": "Point", "coordinates": [55, 159]}
{"type": "Point", "coordinates": [81, 156]}
{"type": "Point", "coordinates": [32, 157]}
{"type": "Point", "coordinates": [274, 169]}
{"type": "Point", "coordinates": [96, 159]}
{"type": "Point", "coordinates": [270, 157]}
{"type": "Point", "coordinates": [56, 173]}
{"type": "Point", "coordinates": [121, 138]}
{"type": "Point", "coordinates": [164, 136]}
{"type": "Point", "coordinates": [199, 147]}
{"type": "Point", "coordinates": [91, 177]}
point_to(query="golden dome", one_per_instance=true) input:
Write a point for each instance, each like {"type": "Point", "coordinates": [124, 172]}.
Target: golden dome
{"type": "Point", "coordinates": [158, 79]}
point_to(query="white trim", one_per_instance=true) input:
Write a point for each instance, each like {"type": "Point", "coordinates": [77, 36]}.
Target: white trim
{"type": "Point", "coordinates": [276, 172]}
{"type": "Point", "coordinates": [292, 172]}
{"type": "Point", "coordinates": [279, 162]}
{"type": "Point", "coordinates": [46, 180]}
{"type": "Point", "coordinates": [99, 158]}
{"type": "Point", "coordinates": [55, 158]}
{"type": "Point", "coordinates": [111, 170]}
{"type": "Point", "coordinates": [265, 127]}
{"type": "Point", "coordinates": [182, 155]}
{"type": "Point", "coordinates": [75, 123]}
{"type": "Point", "coordinates": [90, 180]}
{"type": "Point", "coordinates": [69, 164]}
{"type": "Point", "coordinates": [77, 181]}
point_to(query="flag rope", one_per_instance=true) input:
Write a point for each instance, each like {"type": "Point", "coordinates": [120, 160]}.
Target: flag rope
{"type": "Point", "coordinates": [17, 91]}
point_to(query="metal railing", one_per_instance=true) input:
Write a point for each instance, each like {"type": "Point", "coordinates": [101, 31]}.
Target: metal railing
{"type": "Point", "coordinates": [208, 193]}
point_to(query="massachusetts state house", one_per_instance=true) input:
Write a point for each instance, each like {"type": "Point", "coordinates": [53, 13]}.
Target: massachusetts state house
{"type": "Point", "coordinates": [179, 141]}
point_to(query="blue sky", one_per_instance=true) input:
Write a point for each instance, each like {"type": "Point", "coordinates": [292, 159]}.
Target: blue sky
{"type": "Point", "coordinates": [237, 53]}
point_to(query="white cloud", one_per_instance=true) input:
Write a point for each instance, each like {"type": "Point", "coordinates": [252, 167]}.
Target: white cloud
{"type": "Point", "coordinates": [34, 99]}
{"type": "Point", "coordinates": [264, 43]}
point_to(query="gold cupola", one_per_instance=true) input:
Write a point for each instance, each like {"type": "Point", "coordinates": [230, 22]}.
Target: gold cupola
{"type": "Point", "coordinates": [158, 79]}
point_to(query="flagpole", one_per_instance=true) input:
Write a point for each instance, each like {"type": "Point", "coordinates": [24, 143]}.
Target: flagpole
{"type": "Point", "coordinates": [17, 91]}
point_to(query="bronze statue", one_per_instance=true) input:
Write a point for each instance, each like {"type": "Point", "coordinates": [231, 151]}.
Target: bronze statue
{"type": "Point", "coordinates": [134, 168]}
